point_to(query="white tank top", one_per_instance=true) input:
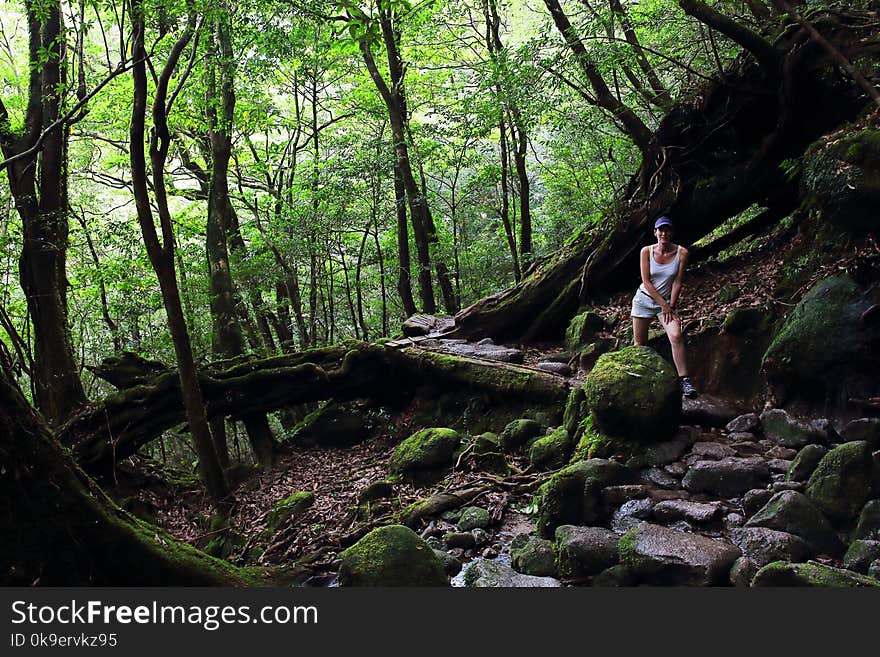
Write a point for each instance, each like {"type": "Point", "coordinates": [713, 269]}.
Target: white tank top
{"type": "Point", "coordinates": [662, 276]}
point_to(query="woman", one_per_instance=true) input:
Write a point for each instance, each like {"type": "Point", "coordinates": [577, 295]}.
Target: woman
{"type": "Point", "coordinates": [662, 266]}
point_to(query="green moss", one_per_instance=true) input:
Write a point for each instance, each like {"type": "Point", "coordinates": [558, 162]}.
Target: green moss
{"type": "Point", "coordinates": [391, 556]}
{"type": "Point", "coordinates": [426, 449]}
{"type": "Point", "coordinates": [592, 443]}
{"type": "Point", "coordinates": [551, 451]}
{"type": "Point", "coordinates": [626, 547]}
{"type": "Point", "coordinates": [780, 573]}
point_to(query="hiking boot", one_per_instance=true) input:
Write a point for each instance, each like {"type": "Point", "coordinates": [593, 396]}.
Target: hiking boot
{"type": "Point", "coordinates": [687, 387]}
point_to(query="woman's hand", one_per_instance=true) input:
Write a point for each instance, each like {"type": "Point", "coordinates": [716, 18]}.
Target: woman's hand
{"type": "Point", "coordinates": [669, 313]}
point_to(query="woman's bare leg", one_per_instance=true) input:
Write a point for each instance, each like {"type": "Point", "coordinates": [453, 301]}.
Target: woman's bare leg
{"type": "Point", "coordinates": [640, 330]}
{"type": "Point", "coordinates": [673, 332]}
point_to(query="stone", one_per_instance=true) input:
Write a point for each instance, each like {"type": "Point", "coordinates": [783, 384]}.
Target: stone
{"type": "Point", "coordinates": [708, 410]}
{"type": "Point", "coordinates": [777, 486]}
{"type": "Point", "coordinates": [707, 451]}
{"type": "Point", "coordinates": [790, 511]}
{"type": "Point", "coordinates": [787, 431]}
{"type": "Point", "coordinates": [763, 545]}
{"type": "Point", "coordinates": [860, 555]}
{"type": "Point", "coordinates": [483, 573]}
{"type": "Point", "coordinates": [866, 428]}
{"type": "Point", "coordinates": [531, 555]}
{"type": "Point", "coordinates": [633, 394]}
{"type": "Point", "coordinates": [474, 517]}
{"type": "Point", "coordinates": [417, 325]}
{"type": "Point", "coordinates": [616, 576]}
{"type": "Point", "coordinates": [661, 453]}
{"type": "Point", "coordinates": [805, 462]}
{"type": "Point", "coordinates": [660, 478]}
{"type": "Point", "coordinates": [734, 520]}
{"type": "Point", "coordinates": [742, 439]}
{"type": "Point", "coordinates": [659, 555]}
{"type": "Point", "coordinates": [471, 350]}
{"type": "Point", "coordinates": [481, 536]}
{"type": "Point", "coordinates": [728, 477]}
{"type": "Point", "coordinates": [756, 498]}
{"type": "Point", "coordinates": [562, 369]}
{"type": "Point", "coordinates": [519, 432]}
{"type": "Point", "coordinates": [393, 555]}
{"type": "Point", "coordinates": [451, 564]}
{"type": "Point", "coordinates": [874, 569]}
{"type": "Point", "coordinates": [614, 496]}
{"type": "Point", "coordinates": [811, 573]}
{"type": "Point", "coordinates": [378, 490]}
{"type": "Point", "coordinates": [678, 469]}
{"type": "Point", "coordinates": [463, 540]}
{"type": "Point", "coordinates": [424, 450]}
{"type": "Point", "coordinates": [868, 526]}
{"type": "Point", "coordinates": [780, 452]}
{"type": "Point", "coordinates": [842, 482]}
{"type": "Point", "coordinates": [335, 424]}
{"type": "Point", "coordinates": [289, 507]}
{"type": "Point", "coordinates": [743, 423]}
{"type": "Point", "coordinates": [635, 509]}
{"type": "Point", "coordinates": [696, 512]}
{"type": "Point", "coordinates": [552, 451]}
{"type": "Point", "coordinates": [584, 551]}
{"type": "Point", "coordinates": [779, 465]}
{"type": "Point", "coordinates": [742, 572]}
{"type": "Point", "coordinates": [583, 330]}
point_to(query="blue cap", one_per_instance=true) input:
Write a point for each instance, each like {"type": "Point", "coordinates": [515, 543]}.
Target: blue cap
{"type": "Point", "coordinates": [662, 221]}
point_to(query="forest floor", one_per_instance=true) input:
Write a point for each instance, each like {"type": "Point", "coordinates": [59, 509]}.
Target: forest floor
{"type": "Point", "coordinates": [338, 475]}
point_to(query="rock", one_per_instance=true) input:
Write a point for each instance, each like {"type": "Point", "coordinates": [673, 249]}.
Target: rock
{"type": "Point", "coordinates": [635, 509]}
{"type": "Point", "coordinates": [696, 512]}
{"type": "Point", "coordinates": [658, 555]}
{"type": "Point", "coordinates": [551, 452]}
{"type": "Point", "coordinates": [489, 553]}
{"type": "Point", "coordinates": [661, 494]}
{"type": "Point", "coordinates": [734, 520]}
{"type": "Point", "coordinates": [427, 449]}
{"type": "Point", "coordinates": [677, 469]}
{"type": "Point", "coordinates": [742, 439]}
{"type": "Point", "coordinates": [378, 490]}
{"type": "Point", "coordinates": [661, 453]}
{"type": "Point", "coordinates": [451, 564]}
{"type": "Point", "coordinates": [391, 556]}
{"type": "Point", "coordinates": [728, 477]}
{"type": "Point", "coordinates": [742, 572]}
{"type": "Point", "coordinates": [573, 495]}
{"type": "Point", "coordinates": [481, 536]}
{"type": "Point", "coordinates": [583, 330]}
{"type": "Point", "coordinates": [777, 486]}
{"type": "Point", "coordinates": [483, 573]}
{"type": "Point", "coordinates": [866, 428]}
{"type": "Point", "coordinates": [633, 393]}
{"type": "Point", "coordinates": [779, 465]}
{"type": "Point", "coordinates": [660, 478]}
{"type": "Point", "coordinates": [712, 451]}
{"type": "Point", "coordinates": [780, 452]}
{"type": "Point", "coordinates": [463, 540]}
{"type": "Point", "coordinates": [743, 423]}
{"type": "Point", "coordinates": [616, 576]}
{"type": "Point", "coordinates": [824, 344]}
{"type": "Point", "coordinates": [289, 507]}
{"type": "Point", "coordinates": [519, 432]}
{"type": "Point", "coordinates": [756, 498]}
{"type": "Point", "coordinates": [613, 496]}
{"type": "Point", "coordinates": [466, 349]}
{"type": "Point", "coordinates": [785, 430]}
{"type": "Point", "coordinates": [583, 551]}
{"type": "Point", "coordinates": [473, 517]}
{"type": "Point", "coordinates": [531, 555]}
{"type": "Point", "coordinates": [790, 511]}
{"type": "Point", "coordinates": [562, 369]}
{"type": "Point", "coordinates": [335, 424]}
{"type": "Point", "coordinates": [424, 324]}
{"type": "Point", "coordinates": [868, 527]}
{"type": "Point", "coordinates": [874, 569]}
{"type": "Point", "coordinates": [708, 410]}
{"type": "Point", "coordinates": [811, 573]}
{"type": "Point", "coordinates": [763, 545]}
{"type": "Point", "coordinates": [842, 482]}
{"type": "Point", "coordinates": [860, 555]}
{"type": "Point", "coordinates": [805, 462]}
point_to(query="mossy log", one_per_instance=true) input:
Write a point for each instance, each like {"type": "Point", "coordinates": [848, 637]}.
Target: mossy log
{"type": "Point", "coordinates": [129, 419]}
{"type": "Point", "coordinates": [720, 152]}
{"type": "Point", "coordinates": [59, 528]}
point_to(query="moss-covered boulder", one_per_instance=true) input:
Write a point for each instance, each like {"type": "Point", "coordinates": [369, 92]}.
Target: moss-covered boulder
{"type": "Point", "coordinates": [288, 507]}
{"type": "Point", "coordinates": [866, 428]}
{"type": "Point", "coordinates": [576, 410]}
{"type": "Point", "coordinates": [868, 526]}
{"type": "Point", "coordinates": [335, 424]}
{"type": "Point", "coordinates": [584, 551]}
{"type": "Point", "coordinates": [793, 512]}
{"type": "Point", "coordinates": [583, 330]}
{"type": "Point", "coordinates": [805, 463]}
{"type": "Point", "coordinates": [519, 432]}
{"type": "Point", "coordinates": [592, 443]}
{"type": "Point", "coordinates": [474, 517]}
{"type": "Point", "coordinates": [633, 393]}
{"type": "Point", "coordinates": [841, 178]}
{"type": "Point", "coordinates": [811, 573]}
{"type": "Point", "coordinates": [860, 555]}
{"type": "Point", "coordinates": [425, 450]}
{"type": "Point", "coordinates": [788, 431]}
{"type": "Point", "coordinates": [824, 345]}
{"type": "Point", "coordinates": [842, 482]}
{"type": "Point", "coordinates": [531, 555]}
{"type": "Point", "coordinates": [552, 451]}
{"type": "Point", "coordinates": [391, 556]}
{"type": "Point", "coordinates": [572, 496]}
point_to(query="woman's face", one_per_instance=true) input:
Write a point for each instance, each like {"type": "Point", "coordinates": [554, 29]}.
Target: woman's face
{"type": "Point", "coordinates": [663, 234]}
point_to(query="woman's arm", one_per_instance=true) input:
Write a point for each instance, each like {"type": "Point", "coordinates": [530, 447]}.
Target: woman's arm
{"type": "Point", "coordinates": [679, 277]}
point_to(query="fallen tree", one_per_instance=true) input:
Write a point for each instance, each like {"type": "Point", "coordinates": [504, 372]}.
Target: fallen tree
{"type": "Point", "coordinates": [132, 417]}
{"type": "Point", "coordinates": [715, 154]}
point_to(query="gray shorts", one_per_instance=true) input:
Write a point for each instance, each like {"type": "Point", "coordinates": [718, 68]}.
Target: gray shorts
{"type": "Point", "coordinates": [645, 307]}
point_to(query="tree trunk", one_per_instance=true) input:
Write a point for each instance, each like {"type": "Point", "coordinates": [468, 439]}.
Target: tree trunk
{"type": "Point", "coordinates": [404, 286]}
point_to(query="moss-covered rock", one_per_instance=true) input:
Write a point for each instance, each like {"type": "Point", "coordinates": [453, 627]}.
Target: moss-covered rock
{"type": "Point", "coordinates": [860, 555]}
{"type": "Point", "coordinates": [583, 330]}
{"type": "Point", "coordinates": [811, 573]}
{"type": "Point", "coordinates": [866, 428]}
{"type": "Point", "coordinates": [824, 344]}
{"type": "Point", "coordinates": [551, 451]}
{"type": "Point", "coordinates": [633, 393]}
{"type": "Point", "coordinates": [592, 443]}
{"type": "Point", "coordinates": [805, 462]}
{"type": "Point", "coordinates": [531, 555]}
{"type": "Point", "coordinates": [868, 526]}
{"type": "Point", "coordinates": [584, 551]}
{"type": "Point", "coordinates": [519, 432]}
{"type": "Point", "coordinates": [575, 411]}
{"type": "Point", "coordinates": [474, 517]}
{"type": "Point", "coordinates": [288, 507]}
{"type": "Point", "coordinates": [842, 482]}
{"type": "Point", "coordinates": [842, 179]}
{"type": "Point", "coordinates": [425, 450]}
{"type": "Point", "coordinates": [792, 512]}
{"type": "Point", "coordinates": [334, 424]}
{"type": "Point", "coordinates": [391, 556]}
{"type": "Point", "coordinates": [788, 431]}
